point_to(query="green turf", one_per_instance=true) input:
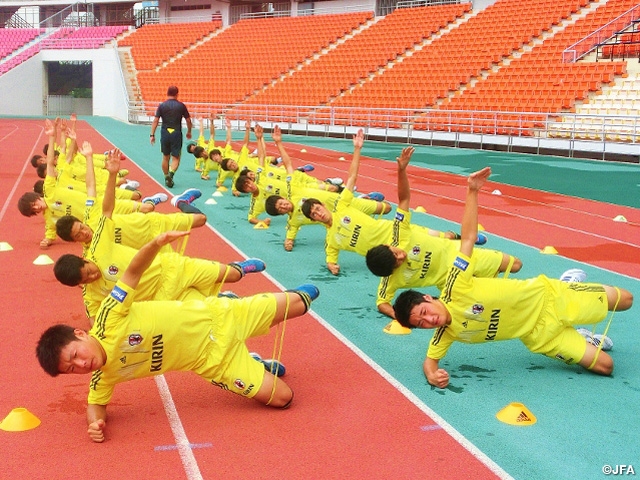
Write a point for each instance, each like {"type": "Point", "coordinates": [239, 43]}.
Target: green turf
{"type": "Point", "coordinates": [584, 421]}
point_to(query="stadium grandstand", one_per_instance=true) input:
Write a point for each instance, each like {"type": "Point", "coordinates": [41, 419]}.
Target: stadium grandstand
{"type": "Point", "coordinates": [538, 76]}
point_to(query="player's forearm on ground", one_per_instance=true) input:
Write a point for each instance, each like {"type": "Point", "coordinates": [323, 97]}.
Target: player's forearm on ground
{"type": "Point", "coordinates": [95, 413]}
{"type": "Point", "coordinates": [386, 309]}
{"type": "Point", "coordinates": [431, 367]}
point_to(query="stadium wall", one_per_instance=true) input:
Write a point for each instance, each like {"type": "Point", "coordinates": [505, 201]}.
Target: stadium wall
{"type": "Point", "coordinates": [28, 83]}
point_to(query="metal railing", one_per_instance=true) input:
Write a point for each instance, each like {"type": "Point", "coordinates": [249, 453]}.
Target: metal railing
{"type": "Point", "coordinates": [566, 134]}
{"type": "Point", "coordinates": [582, 47]}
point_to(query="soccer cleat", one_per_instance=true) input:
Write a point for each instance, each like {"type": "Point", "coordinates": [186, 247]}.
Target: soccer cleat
{"type": "Point", "coordinates": [123, 172]}
{"type": "Point", "coordinates": [306, 168]}
{"type": "Point", "coordinates": [270, 364]}
{"type": "Point", "coordinates": [133, 184]}
{"type": "Point", "coordinates": [168, 181]}
{"type": "Point", "coordinates": [337, 181]}
{"type": "Point", "coordinates": [482, 239]}
{"type": "Point", "coordinates": [375, 196]}
{"type": "Point", "coordinates": [251, 265]}
{"type": "Point", "coordinates": [188, 196]}
{"type": "Point", "coordinates": [573, 275]}
{"type": "Point", "coordinates": [596, 339]}
{"type": "Point", "coordinates": [156, 199]}
{"type": "Point", "coordinates": [228, 294]}
{"type": "Point", "coordinates": [309, 289]}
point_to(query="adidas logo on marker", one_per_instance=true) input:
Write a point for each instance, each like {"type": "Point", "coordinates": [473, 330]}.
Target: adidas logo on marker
{"type": "Point", "coordinates": [523, 417]}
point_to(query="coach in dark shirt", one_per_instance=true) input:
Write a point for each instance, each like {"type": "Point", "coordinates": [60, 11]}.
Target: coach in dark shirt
{"type": "Point", "coordinates": [172, 111]}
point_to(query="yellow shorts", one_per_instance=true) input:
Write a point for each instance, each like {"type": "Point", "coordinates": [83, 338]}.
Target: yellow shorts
{"type": "Point", "coordinates": [487, 262]}
{"type": "Point", "coordinates": [124, 206]}
{"type": "Point", "coordinates": [164, 222]}
{"type": "Point", "coordinates": [122, 194]}
{"type": "Point", "coordinates": [228, 363]}
{"type": "Point", "coordinates": [568, 304]}
{"type": "Point", "coordinates": [181, 273]}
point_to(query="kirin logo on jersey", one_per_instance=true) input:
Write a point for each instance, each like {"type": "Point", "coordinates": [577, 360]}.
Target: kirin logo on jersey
{"type": "Point", "coordinates": [112, 270]}
{"type": "Point", "coordinates": [346, 221]}
{"type": "Point", "coordinates": [477, 309]}
{"type": "Point", "coordinates": [415, 251]}
{"type": "Point", "coordinates": [135, 339]}
{"type": "Point", "coordinates": [239, 384]}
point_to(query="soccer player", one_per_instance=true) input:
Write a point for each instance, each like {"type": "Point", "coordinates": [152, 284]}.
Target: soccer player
{"type": "Point", "coordinates": [412, 258]}
{"type": "Point", "coordinates": [541, 311]}
{"type": "Point", "coordinates": [171, 111]}
{"type": "Point", "coordinates": [347, 227]}
{"type": "Point", "coordinates": [292, 206]}
{"type": "Point", "coordinates": [59, 201]}
{"type": "Point", "coordinates": [270, 180]}
{"type": "Point", "coordinates": [132, 339]}
{"type": "Point", "coordinates": [134, 229]}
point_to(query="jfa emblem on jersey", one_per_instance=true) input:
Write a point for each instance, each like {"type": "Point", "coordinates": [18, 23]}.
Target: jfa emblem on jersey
{"type": "Point", "coordinates": [346, 221]}
{"type": "Point", "coordinates": [57, 204]}
{"type": "Point", "coordinates": [269, 188]}
{"type": "Point", "coordinates": [239, 384]}
{"type": "Point", "coordinates": [135, 339]}
{"type": "Point", "coordinates": [112, 270]}
{"type": "Point", "coordinates": [415, 251]}
{"type": "Point", "coordinates": [477, 309]}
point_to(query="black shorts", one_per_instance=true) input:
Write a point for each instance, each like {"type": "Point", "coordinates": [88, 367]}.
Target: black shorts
{"type": "Point", "coordinates": [171, 142]}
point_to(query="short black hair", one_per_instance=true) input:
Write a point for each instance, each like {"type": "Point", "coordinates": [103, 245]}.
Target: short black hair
{"type": "Point", "coordinates": [25, 203]}
{"type": "Point", "coordinates": [64, 226]}
{"type": "Point", "coordinates": [270, 205]}
{"type": "Point", "coordinates": [35, 158]}
{"type": "Point", "coordinates": [197, 150]}
{"type": "Point", "coordinates": [51, 343]}
{"type": "Point", "coordinates": [215, 151]}
{"type": "Point", "coordinates": [67, 269]}
{"type": "Point", "coordinates": [38, 187]}
{"type": "Point", "coordinates": [41, 170]}
{"type": "Point", "coordinates": [307, 205]}
{"type": "Point", "coordinates": [172, 91]}
{"type": "Point", "coordinates": [241, 183]}
{"type": "Point", "coordinates": [224, 164]}
{"type": "Point", "coordinates": [404, 304]}
{"type": "Point", "coordinates": [380, 260]}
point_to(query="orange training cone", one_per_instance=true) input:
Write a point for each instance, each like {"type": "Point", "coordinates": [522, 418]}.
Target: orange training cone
{"type": "Point", "coordinates": [394, 328]}
{"type": "Point", "coordinates": [19, 420]}
{"type": "Point", "coordinates": [516, 414]}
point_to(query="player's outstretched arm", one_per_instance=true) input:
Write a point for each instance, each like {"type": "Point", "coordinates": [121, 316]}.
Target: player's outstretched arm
{"type": "Point", "coordinates": [469, 226]}
{"type": "Point", "coordinates": [145, 256]}
{"type": "Point", "coordinates": [404, 189]}
{"type": "Point", "coordinates": [358, 142]}
{"type": "Point", "coordinates": [112, 165]}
